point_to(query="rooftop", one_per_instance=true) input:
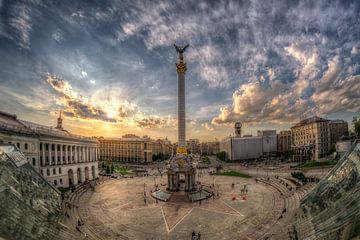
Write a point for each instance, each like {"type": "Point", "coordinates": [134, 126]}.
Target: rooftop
{"type": "Point", "coordinates": [10, 123]}
{"type": "Point", "coordinates": [310, 120]}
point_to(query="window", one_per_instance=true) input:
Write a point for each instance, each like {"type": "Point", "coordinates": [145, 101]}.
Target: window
{"type": "Point", "coordinates": [58, 147]}
{"type": "Point", "coordinates": [52, 147]}
{"type": "Point", "coordinates": [59, 170]}
{"type": "Point", "coordinates": [47, 147]}
{"type": "Point", "coordinates": [54, 171]}
{"type": "Point", "coordinates": [55, 182]}
{"type": "Point", "coordinates": [18, 145]}
{"type": "Point", "coordinates": [34, 161]}
{"type": "Point", "coordinates": [60, 181]}
{"type": "Point", "coordinates": [41, 146]}
{"type": "Point", "coordinates": [48, 172]}
{"type": "Point", "coordinates": [26, 146]}
{"type": "Point", "coordinates": [42, 172]}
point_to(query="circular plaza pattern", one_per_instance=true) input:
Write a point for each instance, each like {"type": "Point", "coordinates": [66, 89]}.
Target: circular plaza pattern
{"type": "Point", "coordinates": [116, 209]}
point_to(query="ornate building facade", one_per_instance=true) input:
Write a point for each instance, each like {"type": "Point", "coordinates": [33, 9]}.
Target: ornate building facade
{"type": "Point", "coordinates": [62, 158]}
{"type": "Point", "coordinates": [127, 149]}
{"type": "Point", "coordinates": [316, 136]}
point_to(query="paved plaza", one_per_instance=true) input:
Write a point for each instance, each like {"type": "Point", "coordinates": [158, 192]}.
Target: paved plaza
{"type": "Point", "coordinates": [117, 210]}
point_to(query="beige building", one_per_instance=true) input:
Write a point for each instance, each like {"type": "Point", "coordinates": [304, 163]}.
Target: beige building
{"type": "Point", "coordinates": [161, 148]}
{"type": "Point", "coordinates": [193, 146]}
{"type": "Point", "coordinates": [284, 141]}
{"type": "Point", "coordinates": [62, 158]}
{"type": "Point", "coordinates": [314, 137]}
{"type": "Point", "coordinates": [128, 149]}
{"type": "Point", "coordinates": [210, 148]}
{"type": "Point", "coordinates": [311, 139]}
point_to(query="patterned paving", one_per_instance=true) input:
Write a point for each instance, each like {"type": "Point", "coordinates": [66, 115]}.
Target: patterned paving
{"type": "Point", "coordinates": [116, 210]}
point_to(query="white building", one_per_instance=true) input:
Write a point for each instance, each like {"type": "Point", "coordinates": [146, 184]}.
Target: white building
{"type": "Point", "coordinates": [242, 148]}
{"type": "Point", "coordinates": [60, 157]}
{"type": "Point", "coordinates": [269, 139]}
{"type": "Point", "coordinates": [249, 147]}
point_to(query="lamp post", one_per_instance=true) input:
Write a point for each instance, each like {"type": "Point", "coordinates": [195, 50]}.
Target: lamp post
{"type": "Point", "coordinates": [267, 168]}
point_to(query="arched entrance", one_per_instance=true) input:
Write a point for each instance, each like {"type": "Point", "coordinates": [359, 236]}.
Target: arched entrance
{"type": "Point", "coordinates": [87, 173]}
{"type": "Point", "coordinates": [79, 175]}
{"type": "Point", "coordinates": [93, 172]}
{"type": "Point", "coordinates": [71, 177]}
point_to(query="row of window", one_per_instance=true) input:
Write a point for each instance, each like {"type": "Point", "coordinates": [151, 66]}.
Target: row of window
{"type": "Point", "coordinates": [69, 148]}
{"type": "Point", "coordinates": [55, 182]}
{"type": "Point", "coordinates": [18, 145]}
{"type": "Point", "coordinates": [69, 160]}
{"type": "Point", "coordinates": [33, 161]}
{"type": "Point", "coordinates": [48, 171]}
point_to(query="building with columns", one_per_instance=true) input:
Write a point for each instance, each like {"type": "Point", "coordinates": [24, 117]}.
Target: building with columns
{"type": "Point", "coordinates": [62, 158]}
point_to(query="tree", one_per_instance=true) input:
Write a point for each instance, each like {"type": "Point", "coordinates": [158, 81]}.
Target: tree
{"type": "Point", "coordinates": [112, 168]}
{"type": "Point", "coordinates": [107, 169]}
{"type": "Point", "coordinates": [356, 123]}
{"type": "Point", "coordinates": [221, 155]}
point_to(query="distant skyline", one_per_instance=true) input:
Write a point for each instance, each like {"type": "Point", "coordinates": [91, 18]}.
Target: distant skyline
{"type": "Point", "coordinates": [110, 65]}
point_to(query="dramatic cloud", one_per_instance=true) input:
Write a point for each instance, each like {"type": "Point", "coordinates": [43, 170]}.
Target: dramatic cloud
{"type": "Point", "coordinates": [207, 127]}
{"type": "Point", "coordinates": [270, 62]}
{"type": "Point", "coordinates": [278, 102]}
{"type": "Point", "coordinates": [76, 106]}
{"type": "Point", "coordinates": [20, 24]}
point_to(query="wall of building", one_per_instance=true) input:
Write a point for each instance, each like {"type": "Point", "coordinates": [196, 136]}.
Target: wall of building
{"type": "Point", "coordinates": [269, 143]}
{"type": "Point", "coordinates": [246, 148]}
{"type": "Point", "coordinates": [52, 152]}
{"type": "Point", "coordinates": [127, 150]}
{"type": "Point", "coordinates": [284, 141]}
{"type": "Point", "coordinates": [318, 134]}
{"type": "Point", "coordinates": [29, 146]}
{"type": "Point", "coordinates": [338, 129]}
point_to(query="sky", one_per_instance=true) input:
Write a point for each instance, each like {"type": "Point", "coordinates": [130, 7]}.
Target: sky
{"type": "Point", "coordinates": [109, 66]}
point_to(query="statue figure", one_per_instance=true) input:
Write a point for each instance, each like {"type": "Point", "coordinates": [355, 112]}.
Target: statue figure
{"type": "Point", "coordinates": [181, 50]}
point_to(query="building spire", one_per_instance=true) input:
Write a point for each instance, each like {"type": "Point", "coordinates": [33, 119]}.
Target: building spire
{"type": "Point", "coordinates": [59, 122]}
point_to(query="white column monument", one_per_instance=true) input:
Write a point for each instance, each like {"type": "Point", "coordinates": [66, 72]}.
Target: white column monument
{"type": "Point", "coordinates": [181, 70]}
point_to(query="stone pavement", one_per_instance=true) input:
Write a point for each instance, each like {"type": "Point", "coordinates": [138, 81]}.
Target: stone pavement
{"type": "Point", "coordinates": [116, 210]}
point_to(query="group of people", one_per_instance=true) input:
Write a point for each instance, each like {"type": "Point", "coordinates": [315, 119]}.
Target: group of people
{"type": "Point", "coordinates": [194, 236]}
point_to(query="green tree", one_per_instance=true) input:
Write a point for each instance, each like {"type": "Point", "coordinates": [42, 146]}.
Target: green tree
{"type": "Point", "coordinates": [221, 155]}
{"type": "Point", "coordinates": [356, 123]}
{"type": "Point", "coordinates": [107, 169]}
{"type": "Point", "coordinates": [112, 168]}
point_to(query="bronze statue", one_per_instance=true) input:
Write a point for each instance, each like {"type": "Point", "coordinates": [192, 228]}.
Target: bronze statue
{"type": "Point", "coordinates": [180, 49]}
